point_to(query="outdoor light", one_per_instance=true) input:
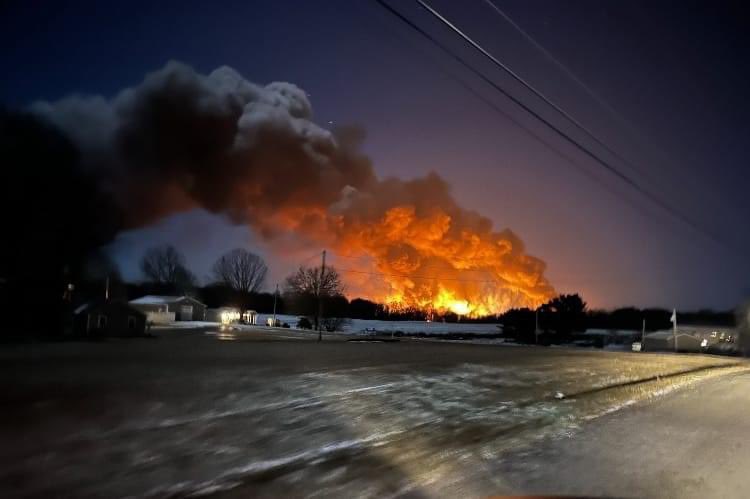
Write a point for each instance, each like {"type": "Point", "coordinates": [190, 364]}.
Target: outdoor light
{"type": "Point", "coordinates": [229, 316]}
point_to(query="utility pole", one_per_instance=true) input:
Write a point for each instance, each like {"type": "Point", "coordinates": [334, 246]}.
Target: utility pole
{"type": "Point", "coordinates": [320, 296]}
{"type": "Point", "coordinates": [674, 328]}
{"type": "Point", "coordinates": [274, 305]}
{"type": "Point", "coordinates": [536, 326]}
{"type": "Point", "coordinates": [643, 336]}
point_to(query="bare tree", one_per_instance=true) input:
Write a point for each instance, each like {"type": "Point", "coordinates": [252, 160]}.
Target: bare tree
{"type": "Point", "coordinates": [307, 288]}
{"type": "Point", "coordinates": [241, 270]}
{"type": "Point", "coordinates": [164, 265]}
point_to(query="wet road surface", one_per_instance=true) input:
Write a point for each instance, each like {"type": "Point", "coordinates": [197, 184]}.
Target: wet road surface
{"type": "Point", "coordinates": [188, 414]}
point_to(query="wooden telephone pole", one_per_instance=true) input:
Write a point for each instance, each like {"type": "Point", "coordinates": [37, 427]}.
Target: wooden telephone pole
{"type": "Point", "coordinates": [275, 295]}
{"type": "Point", "coordinates": [320, 296]}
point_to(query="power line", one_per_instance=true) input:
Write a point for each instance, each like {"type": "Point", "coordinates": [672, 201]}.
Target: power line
{"type": "Point", "coordinates": [315, 255]}
{"type": "Point", "coordinates": [526, 129]}
{"type": "Point", "coordinates": [526, 84]}
{"type": "Point", "coordinates": [629, 126]}
{"type": "Point", "coordinates": [612, 169]}
{"type": "Point", "coordinates": [565, 69]}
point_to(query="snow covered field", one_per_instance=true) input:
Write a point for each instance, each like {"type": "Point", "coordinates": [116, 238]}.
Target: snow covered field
{"type": "Point", "coordinates": [362, 326]}
{"type": "Point", "coordinates": [358, 326]}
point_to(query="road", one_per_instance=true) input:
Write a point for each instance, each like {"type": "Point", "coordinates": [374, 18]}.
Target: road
{"type": "Point", "coordinates": [689, 444]}
{"type": "Point", "coordinates": [265, 415]}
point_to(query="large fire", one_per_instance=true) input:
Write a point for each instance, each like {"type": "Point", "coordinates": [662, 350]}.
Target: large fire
{"type": "Point", "coordinates": [427, 259]}
{"type": "Point", "coordinates": [431, 263]}
{"type": "Point", "coordinates": [181, 139]}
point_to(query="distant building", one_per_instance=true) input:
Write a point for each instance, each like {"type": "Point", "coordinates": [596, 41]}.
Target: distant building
{"type": "Point", "coordinates": [163, 309]}
{"type": "Point", "coordinates": [108, 319]}
{"type": "Point", "coordinates": [711, 339]}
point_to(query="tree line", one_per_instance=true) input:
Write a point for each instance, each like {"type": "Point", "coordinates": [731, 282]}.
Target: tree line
{"type": "Point", "coordinates": [238, 279]}
{"type": "Point", "coordinates": [239, 276]}
{"type": "Point", "coordinates": [558, 320]}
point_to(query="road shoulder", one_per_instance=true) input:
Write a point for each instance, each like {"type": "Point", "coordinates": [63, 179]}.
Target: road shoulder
{"type": "Point", "coordinates": [690, 443]}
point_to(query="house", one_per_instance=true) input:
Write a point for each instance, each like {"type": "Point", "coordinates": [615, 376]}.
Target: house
{"type": "Point", "coordinates": [108, 319]}
{"type": "Point", "coordinates": [164, 309]}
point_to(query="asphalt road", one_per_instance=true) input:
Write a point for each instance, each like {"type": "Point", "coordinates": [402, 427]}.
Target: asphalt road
{"type": "Point", "coordinates": [692, 443]}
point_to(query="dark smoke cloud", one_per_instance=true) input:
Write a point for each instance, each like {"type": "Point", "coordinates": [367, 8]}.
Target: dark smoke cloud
{"type": "Point", "coordinates": [181, 139]}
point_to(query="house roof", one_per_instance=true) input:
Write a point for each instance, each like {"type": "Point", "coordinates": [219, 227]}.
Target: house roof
{"type": "Point", "coordinates": [160, 300]}
{"type": "Point", "coordinates": [104, 305]}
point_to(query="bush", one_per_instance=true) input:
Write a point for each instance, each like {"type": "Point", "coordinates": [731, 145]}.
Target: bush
{"type": "Point", "coordinates": [304, 323]}
{"type": "Point", "coordinates": [332, 324]}
{"type": "Point", "coordinates": [286, 325]}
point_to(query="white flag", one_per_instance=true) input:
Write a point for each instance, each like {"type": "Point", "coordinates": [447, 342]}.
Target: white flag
{"type": "Point", "coordinates": [673, 319]}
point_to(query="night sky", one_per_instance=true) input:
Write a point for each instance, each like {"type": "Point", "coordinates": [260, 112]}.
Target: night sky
{"type": "Point", "coordinates": [676, 74]}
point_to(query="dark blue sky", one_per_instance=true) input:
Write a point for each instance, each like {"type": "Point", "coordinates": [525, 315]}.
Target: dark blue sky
{"type": "Point", "coordinates": [675, 72]}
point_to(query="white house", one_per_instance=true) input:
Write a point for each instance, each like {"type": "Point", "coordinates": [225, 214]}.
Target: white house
{"type": "Point", "coordinates": [162, 309]}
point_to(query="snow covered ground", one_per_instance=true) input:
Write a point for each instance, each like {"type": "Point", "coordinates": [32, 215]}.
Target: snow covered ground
{"type": "Point", "coordinates": [357, 326]}
{"type": "Point", "coordinates": [189, 415]}
{"type": "Point", "coordinates": [362, 326]}
{"type": "Point", "coordinates": [184, 325]}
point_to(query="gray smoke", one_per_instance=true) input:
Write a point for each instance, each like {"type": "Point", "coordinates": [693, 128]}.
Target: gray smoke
{"type": "Point", "coordinates": [181, 139]}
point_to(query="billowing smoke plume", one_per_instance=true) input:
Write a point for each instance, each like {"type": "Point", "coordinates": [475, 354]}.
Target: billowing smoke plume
{"type": "Point", "coordinates": [181, 139]}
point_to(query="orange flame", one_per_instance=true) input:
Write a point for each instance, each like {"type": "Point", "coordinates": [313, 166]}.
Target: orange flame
{"type": "Point", "coordinates": [426, 261]}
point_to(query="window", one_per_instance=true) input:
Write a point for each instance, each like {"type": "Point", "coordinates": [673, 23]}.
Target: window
{"type": "Point", "coordinates": [101, 321]}
{"type": "Point", "coordinates": [131, 322]}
